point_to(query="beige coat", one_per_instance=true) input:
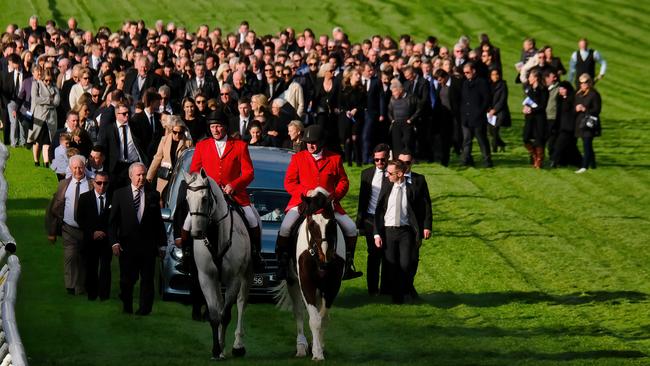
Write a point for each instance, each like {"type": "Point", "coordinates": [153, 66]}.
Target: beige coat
{"type": "Point", "coordinates": [45, 99]}
{"type": "Point", "coordinates": [163, 158]}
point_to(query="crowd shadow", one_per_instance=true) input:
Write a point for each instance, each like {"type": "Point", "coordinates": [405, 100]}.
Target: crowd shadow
{"type": "Point", "coordinates": [357, 297]}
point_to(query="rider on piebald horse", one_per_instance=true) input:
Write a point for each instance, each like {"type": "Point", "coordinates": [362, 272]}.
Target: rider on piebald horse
{"type": "Point", "coordinates": [227, 161]}
{"type": "Point", "coordinates": [309, 169]}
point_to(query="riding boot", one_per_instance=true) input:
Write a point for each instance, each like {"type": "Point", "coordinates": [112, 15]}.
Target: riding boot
{"type": "Point", "coordinates": [282, 248]}
{"type": "Point", "coordinates": [539, 157]}
{"type": "Point", "coordinates": [255, 235]}
{"type": "Point", "coordinates": [350, 270]}
{"type": "Point", "coordinates": [531, 153]}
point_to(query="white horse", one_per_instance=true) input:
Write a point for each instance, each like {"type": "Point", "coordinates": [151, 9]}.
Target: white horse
{"type": "Point", "coordinates": [223, 258]}
{"type": "Point", "coordinates": [315, 276]}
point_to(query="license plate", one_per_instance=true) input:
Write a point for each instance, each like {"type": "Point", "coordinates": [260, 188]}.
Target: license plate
{"type": "Point", "coordinates": [258, 280]}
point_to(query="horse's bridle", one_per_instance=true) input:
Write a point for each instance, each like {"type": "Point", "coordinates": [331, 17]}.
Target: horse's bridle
{"type": "Point", "coordinates": [210, 202]}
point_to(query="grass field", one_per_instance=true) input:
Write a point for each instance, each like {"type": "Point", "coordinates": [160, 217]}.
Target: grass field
{"type": "Point", "coordinates": [525, 267]}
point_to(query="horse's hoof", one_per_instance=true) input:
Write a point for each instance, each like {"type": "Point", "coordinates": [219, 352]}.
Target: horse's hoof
{"type": "Point", "coordinates": [239, 352]}
{"type": "Point", "coordinates": [221, 357]}
{"type": "Point", "coordinates": [318, 358]}
{"type": "Point", "coordinates": [301, 350]}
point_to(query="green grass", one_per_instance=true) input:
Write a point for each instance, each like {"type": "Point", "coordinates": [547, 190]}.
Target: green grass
{"type": "Point", "coordinates": [525, 267]}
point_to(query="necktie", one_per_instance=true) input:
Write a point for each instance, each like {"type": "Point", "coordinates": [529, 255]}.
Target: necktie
{"type": "Point", "coordinates": [243, 126]}
{"type": "Point", "coordinates": [153, 124]}
{"type": "Point", "coordinates": [76, 199]}
{"type": "Point", "coordinates": [398, 207]}
{"type": "Point", "coordinates": [136, 203]}
{"type": "Point", "coordinates": [101, 205]}
{"type": "Point", "coordinates": [200, 82]}
{"type": "Point", "coordinates": [125, 143]}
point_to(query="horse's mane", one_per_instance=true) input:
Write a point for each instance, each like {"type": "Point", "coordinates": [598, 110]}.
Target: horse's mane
{"type": "Point", "coordinates": [317, 201]}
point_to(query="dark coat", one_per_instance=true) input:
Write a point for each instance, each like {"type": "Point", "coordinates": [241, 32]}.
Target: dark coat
{"type": "Point", "coordinates": [90, 220]}
{"type": "Point", "coordinates": [151, 135]}
{"type": "Point", "coordinates": [365, 190]}
{"type": "Point", "coordinates": [500, 103]}
{"type": "Point", "coordinates": [139, 238]}
{"type": "Point", "coordinates": [592, 102]}
{"type": "Point", "coordinates": [419, 207]}
{"type": "Point", "coordinates": [210, 88]}
{"type": "Point", "coordinates": [109, 139]}
{"type": "Point", "coordinates": [475, 102]}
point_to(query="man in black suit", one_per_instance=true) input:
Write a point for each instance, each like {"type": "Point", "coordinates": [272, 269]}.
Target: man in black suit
{"type": "Point", "coordinates": [420, 185]}
{"type": "Point", "coordinates": [136, 231]}
{"type": "Point", "coordinates": [93, 212]}
{"type": "Point", "coordinates": [372, 181]}
{"type": "Point", "coordinates": [123, 144]}
{"type": "Point", "coordinates": [475, 103]}
{"type": "Point", "coordinates": [239, 125]}
{"type": "Point", "coordinates": [445, 111]}
{"type": "Point", "coordinates": [11, 84]}
{"type": "Point", "coordinates": [418, 87]}
{"type": "Point", "coordinates": [149, 122]}
{"type": "Point", "coordinates": [400, 224]}
{"type": "Point", "coordinates": [140, 78]}
{"type": "Point", "coordinates": [201, 83]}
{"type": "Point", "coordinates": [373, 90]}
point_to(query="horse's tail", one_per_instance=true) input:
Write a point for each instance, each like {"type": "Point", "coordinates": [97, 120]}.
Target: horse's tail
{"type": "Point", "coordinates": [282, 296]}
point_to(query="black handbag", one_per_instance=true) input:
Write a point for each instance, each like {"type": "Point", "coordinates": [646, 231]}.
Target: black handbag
{"type": "Point", "coordinates": [164, 173]}
{"type": "Point", "coordinates": [589, 122]}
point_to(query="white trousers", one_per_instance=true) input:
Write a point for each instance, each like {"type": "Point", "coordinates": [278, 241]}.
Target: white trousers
{"type": "Point", "coordinates": [348, 226]}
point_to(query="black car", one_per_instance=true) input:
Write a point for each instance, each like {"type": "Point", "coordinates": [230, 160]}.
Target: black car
{"type": "Point", "coordinates": [267, 195]}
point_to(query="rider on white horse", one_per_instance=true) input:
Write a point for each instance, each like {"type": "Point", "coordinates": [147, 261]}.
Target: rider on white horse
{"type": "Point", "coordinates": [227, 161]}
{"type": "Point", "coordinates": [309, 169]}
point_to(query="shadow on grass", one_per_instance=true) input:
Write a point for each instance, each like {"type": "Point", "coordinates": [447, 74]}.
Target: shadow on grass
{"type": "Point", "coordinates": [357, 297]}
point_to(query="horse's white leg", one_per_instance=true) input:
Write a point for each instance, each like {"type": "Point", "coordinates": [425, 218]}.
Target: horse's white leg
{"type": "Point", "coordinates": [323, 323]}
{"type": "Point", "coordinates": [211, 288]}
{"type": "Point", "coordinates": [299, 317]}
{"type": "Point", "coordinates": [231, 297]}
{"type": "Point", "coordinates": [315, 325]}
{"type": "Point", "coordinates": [238, 348]}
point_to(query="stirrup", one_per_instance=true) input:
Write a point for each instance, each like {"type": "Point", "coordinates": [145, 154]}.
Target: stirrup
{"type": "Point", "coordinates": [351, 272]}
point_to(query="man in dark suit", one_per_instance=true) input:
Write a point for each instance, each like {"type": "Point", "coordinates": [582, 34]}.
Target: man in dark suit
{"type": "Point", "coordinates": [93, 212]}
{"type": "Point", "coordinates": [475, 103]}
{"type": "Point", "coordinates": [400, 224]}
{"type": "Point", "coordinates": [372, 85]}
{"type": "Point", "coordinates": [445, 111]}
{"type": "Point", "coordinates": [11, 84]}
{"type": "Point", "coordinates": [123, 144]}
{"type": "Point", "coordinates": [140, 78]}
{"type": "Point", "coordinates": [201, 83]}
{"type": "Point", "coordinates": [372, 181]}
{"type": "Point", "coordinates": [418, 87]}
{"type": "Point", "coordinates": [149, 122]}
{"type": "Point", "coordinates": [136, 231]}
{"type": "Point", "coordinates": [239, 125]}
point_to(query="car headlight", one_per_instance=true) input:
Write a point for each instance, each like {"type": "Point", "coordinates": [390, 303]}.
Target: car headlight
{"type": "Point", "coordinates": [177, 253]}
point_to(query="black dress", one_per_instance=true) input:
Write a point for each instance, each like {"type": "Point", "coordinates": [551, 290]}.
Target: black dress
{"type": "Point", "coordinates": [349, 99]}
{"type": "Point", "coordinates": [198, 129]}
{"type": "Point", "coordinates": [535, 123]}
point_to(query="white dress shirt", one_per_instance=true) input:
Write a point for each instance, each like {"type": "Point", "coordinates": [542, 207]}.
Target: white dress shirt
{"type": "Point", "coordinates": [389, 216]}
{"type": "Point", "coordinates": [133, 151]}
{"type": "Point", "coordinates": [376, 188]}
{"type": "Point", "coordinates": [221, 145]}
{"type": "Point", "coordinates": [68, 208]}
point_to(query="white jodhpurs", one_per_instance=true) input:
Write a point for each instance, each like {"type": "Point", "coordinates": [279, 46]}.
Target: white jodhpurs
{"type": "Point", "coordinates": [345, 222]}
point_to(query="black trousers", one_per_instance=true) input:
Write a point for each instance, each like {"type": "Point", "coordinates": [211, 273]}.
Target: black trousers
{"type": "Point", "coordinates": [98, 270]}
{"type": "Point", "coordinates": [481, 136]}
{"type": "Point", "coordinates": [400, 248]}
{"type": "Point", "coordinates": [566, 150]}
{"type": "Point", "coordinates": [402, 137]}
{"type": "Point", "coordinates": [376, 262]}
{"type": "Point", "coordinates": [133, 266]}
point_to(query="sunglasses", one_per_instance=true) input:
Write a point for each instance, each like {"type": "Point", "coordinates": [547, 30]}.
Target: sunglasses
{"type": "Point", "coordinates": [200, 101]}
{"type": "Point", "coordinates": [268, 70]}
{"type": "Point", "coordinates": [407, 162]}
{"type": "Point", "coordinates": [100, 183]}
{"type": "Point", "coordinates": [177, 132]}
{"type": "Point", "coordinates": [95, 95]}
{"type": "Point", "coordinates": [380, 159]}
{"type": "Point", "coordinates": [312, 64]}
{"type": "Point", "coordinates": [225, 94]}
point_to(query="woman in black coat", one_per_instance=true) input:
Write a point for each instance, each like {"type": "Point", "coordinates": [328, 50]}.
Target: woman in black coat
{"type": "Point", "coordinates": [352, 101]}
{"type": "Point", "coordinates": [566, 152]}
{"type": "Point", "coordinates": [535, 113]}
{"type": "Point", "coordinates": [587, 102]}
{"type": "Point", "coordinates": [325, 104]}
{"type": "Point", "coordinates": [499, 108]}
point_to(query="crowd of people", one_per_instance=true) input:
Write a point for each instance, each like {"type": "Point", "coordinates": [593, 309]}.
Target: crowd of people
{"type": "Point", "coordinates": [90, 104]}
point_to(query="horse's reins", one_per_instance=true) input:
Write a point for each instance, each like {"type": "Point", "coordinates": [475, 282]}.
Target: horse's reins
{"type": "Point", "coordinates": [206, 241]}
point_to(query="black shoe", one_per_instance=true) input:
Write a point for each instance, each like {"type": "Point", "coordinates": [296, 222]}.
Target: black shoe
{"type": "Point", "coordinates": [351, 272]}
{"type": "Point", "coordinates": [47, 165]}
{"type": "Point", "coordinates": [36, 163]}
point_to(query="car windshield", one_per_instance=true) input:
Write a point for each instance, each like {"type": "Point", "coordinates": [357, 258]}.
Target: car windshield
{"type": "Point", "coordinates": [270, 204]}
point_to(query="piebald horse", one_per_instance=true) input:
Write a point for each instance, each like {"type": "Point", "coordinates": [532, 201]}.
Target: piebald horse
{"type": "Point", "coordinates": [315, 276]}
{"type": "Point", "coordinates": [223, 258]}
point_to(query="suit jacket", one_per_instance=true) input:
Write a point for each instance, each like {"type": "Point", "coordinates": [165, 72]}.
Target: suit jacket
{"type": "Point", "coordinates": [475, 101]}
{"type": "Point", "coordinates": [139, 238]}
{"type": "Point", "coordinates": [55, 209]}
{"type": "Point", "coordinates": [365, 190]}
{"type": "Point", "coordinates": [373, 103]}
{"type": "Point", "coordinates": [234, 167]}
{"type": "Point", "coordinates": [304, 173]}
{"type": "Point", "coordinates": [90, 220]}
{"type": "Point", "coordinates": [419, 88]}
{"type": "Point", "coordinates": [419, 206]}
{"type": "Point", "coordinates": [234, 127]}
{"type": "Point", "coordinates": [151, 138]}
{"type": "Point", "coordinates": [151, 81]}
{"type": "Point", "coordinates": [109, 138]}
{"type": "Point", "coordinates": [210, 88]}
